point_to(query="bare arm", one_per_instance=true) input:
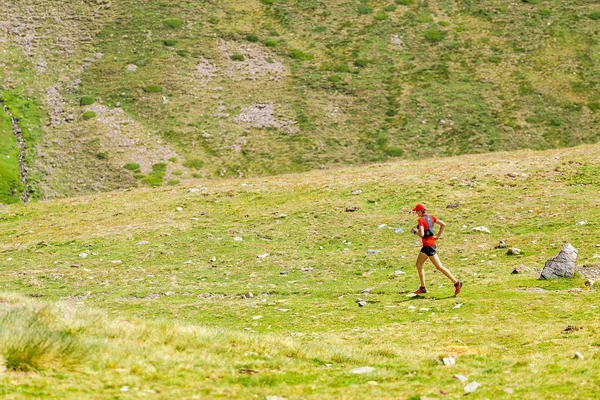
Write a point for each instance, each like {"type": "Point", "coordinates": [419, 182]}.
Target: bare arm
{"type": "Point", "coordinates": [442, 227]}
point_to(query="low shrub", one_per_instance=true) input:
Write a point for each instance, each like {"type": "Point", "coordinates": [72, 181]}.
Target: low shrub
{"type": "Point", "coordinates": [139, 176]}
{"type": "Point", "coordinates": [86, 100]}
{"type": "Point", "coordinates": [172, 182]}
{"type": "Point", "coordinates": [433, 34]}
{"type": "Point", "coordinates": [102, 156]}
{"type": "Point", "coordinates": [267, 2]}
{"type": "Point", "coordinates": [89, 115]}
{"type": "Point", "coordinates": [361, 62]}
{"type": "Point", "coordinates": [173, 159]}
{"type": "Point", "coordinates": [380, 16]}
{"type": "Point", "coordinates": [237, 57]}
{"type": "Point", "coordinates": [444, 23]}
{"type": "Point", "coordinates": [404, 2]}
{"type": "Point", "coordinates": [299, 55]}
{"type": "Point", "coordinates": [132, 166]}
{"type": "Point", "coordinates": [595, 15]}
{"type": "Point", "coordinates": [152, 89]}
{"type": "Point", "coordinates": [389, 8]}
{"type": "Point", "coordinates": [394, 151]}
{"type": "Point", "coordinates": [531, 1]}
{"type": "Point", "coordinates": [177, 173]}
{"type": "Point", "coordinates": [155, 178]}
{"type": "Point", "coordinates": [594, 106]}
{"type": "Point", "coordinates": [271, 43]}
{"type": "Point", "coordinates": [170, 42]}
{"type": "Point", "coordinates": [173, 23]}
{"type": "Point", "coordinates": [364, 10]}
{"type": "Point", "coordinates": [194, 164]}
{"type": "Point", "coordinates": [252, 38]}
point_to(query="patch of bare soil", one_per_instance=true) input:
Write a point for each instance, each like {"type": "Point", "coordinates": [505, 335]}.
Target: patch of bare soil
{"type": "Point", "coordinates": [264, 116]}
{"type": "Point", "coordinates": [258, 62]}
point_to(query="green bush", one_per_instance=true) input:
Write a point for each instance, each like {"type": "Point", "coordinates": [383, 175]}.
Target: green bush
{"type": "Point", "coordinates": [531, 1]}
{"type": "Point", "coordinates": [102, 156]}
{"type": "Point", "coordinates": [177, 173]}
{"type": "Point", "coordinates": [173, 159]}
{"type": "Point", "coordinates": [252, 38]}
{"type": "Point", "coordinates": [394, 151]}
{"type": "Point", "coordinates": [89, 115]}
{"type": "Point", "coordinates": [172, 182]}
{"type": "Point", "coordinates": [364, 10]}
{"type": "Point", "coordinates": [271, 43]}
{"type": "Point", "coordinates": [404, 2]}
{"type": "Point", "coordinates": [495, 59]}
{"type": "Point", "coordinates": [157, 175]}
{"type": "Point", "coordinates": [389, 8]}
{"type": "Point", "coordinates": [197, 176]}
{"type": "Point", "coordinates": [237, 57]}
{"type": "Point", "coordinates": [173, 23]}
{"type": "Point", "coordinates": [433, 34]}
{"type": "Point", "coordinates": [170, 42]}
{"type": "Point", "coordinates": [152, 89]}
{"type": "Point", "coordinates": [299, 55]}
{"type": "Point", "coordinates": [361, 62]}
{"type": "Point", "coordinates": [139, 176]}
{"type": "Point", "coordinates": [444, 23]}
{"type": "Point", "coordinates": [595, 15]}
{"type": "Point", "coordinates": [267, 2]}
{"type": "Point", "coordinates": [132, 166]}
{"type": "Point", "coordinates": [545, 12]}
{"type": "Point", "coordinates": [194, 164]}
{"type": "Point", "coordinates": [594, 106]}
{"type": "Point", "coordinates": [182, 53]}
{"type": "Point", "coordinates": [380, 16]}
{"type": "Point", "coordinates": [86, 100]}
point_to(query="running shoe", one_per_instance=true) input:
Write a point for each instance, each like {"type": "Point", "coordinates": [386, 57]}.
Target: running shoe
{"type": "Point", "coordinates": [421, 290]}
{"type": "Point", "coordinates": [457, 287]}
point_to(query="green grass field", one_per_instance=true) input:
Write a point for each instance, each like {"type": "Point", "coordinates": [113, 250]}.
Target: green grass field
{"type": "Point", "coordinates": [146, 293]}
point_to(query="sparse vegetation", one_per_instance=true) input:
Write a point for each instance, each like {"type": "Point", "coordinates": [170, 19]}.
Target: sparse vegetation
{"type": "Point", "coordinates": [89, 115]}
{"type": "Point", "coordinates": [173, 23]}
{"type": "Point", "coordinates": [170, 42]}
{"type": "Point", "coordinates": [237, 57]}
{"type": "Point", "coordinates": [132, 166]}
{"type": "Point", "coordinates": [194, 164]}
{"type": "Point", "coordinates": [156, 176]}
{"type": "Point", "coordinates": [86, 100]}
{"type": "Point", "coordinates": [152, 89]}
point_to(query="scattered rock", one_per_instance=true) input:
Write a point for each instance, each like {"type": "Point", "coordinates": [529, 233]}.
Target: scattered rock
{"type": "Point", "coordinates": [83, 255]}
{"type": "Point", "coordinates": [371, 251]}
{"type": "Point", "coordinates": [362, 370]}
{"type": "Point", "coordinates": [263, 255]}
{"type": "Point", "coordinates": [457, 306]}
{"type": "Point", "coordinates": [357, 191]}
{"type": "Point", "coordinates": [502, 245]}
{"type": "Point", "coordinates": [589, 283]}
{"type": "Point", "coordinates": [396, 41]}
{"type": "Point", "coordinates": [471, 387]}
{"type": "Point", "coordinates": [264, 116]}
{"type": "Point", "coordinates": [248, 371]}
{"type": "Point", "coordinates": [578, 355]}
{"type": "Point", "coordinates": [381, 226]}
{"type": "Point", "coordinates": [368, 290]}
{"type": "Point", "coordinates": [131, 68]}
{"type": "Point", "coordinates": [449, 360]}
{"type": "Point", "coordinates": [238, 239]}
{"type": "Point", "coordinates": [580, 223]}
{"type": "Point", "coordinates": [509, 391]}
{"type": "Point", "coordinates": [561, 266]}
{"type": "Point", "coordinates": [513, 251]}
{"type": "Point", "coordinates": [352, 209]}
{"type": "Point", "coordinates": [453, 205]}
{"type": "Point", "coordinates": [248, 295]}
{"type": "Point", "coordinates": [571, 328]}
{"type": "Point", "coordinates": [399, 273]}
{"type": "Point", "coordinates": [143, 242]}
{"type": "Point", "coordinates": [306, 269]}
{"type": "Point", "coordinates": [480, 229]}
{"type": "Point", "coordinates": [283, 273]}
{"type": "Point", "coordinates": [461, 378]}
{"type": "Point", "coordinates": [179, 209]}
{"type": "Point", "coordinates": [274, 398]}
{"type": "Point", "coordinates": [398, 230]}
{"type": "Point", "coordinates": [520, 269]}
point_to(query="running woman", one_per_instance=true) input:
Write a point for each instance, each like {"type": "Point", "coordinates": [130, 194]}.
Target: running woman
{"type": "Point", "coordinates": [424, 229]}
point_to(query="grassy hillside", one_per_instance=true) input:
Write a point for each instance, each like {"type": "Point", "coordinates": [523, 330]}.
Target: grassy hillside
{"type": "Point", "coordinates": [187, 90]}
{"type": "Point", "coordinates": [247, 288]}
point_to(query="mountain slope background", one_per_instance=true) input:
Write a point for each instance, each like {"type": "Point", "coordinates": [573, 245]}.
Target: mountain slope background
{"type": "Point", "coordinates": [115, 94]}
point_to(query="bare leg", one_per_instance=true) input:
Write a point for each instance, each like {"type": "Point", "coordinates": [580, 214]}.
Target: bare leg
{"type": "Point", "coordinates": [420, 261]}
{"type": "Point", "coordinates": [438, 264]}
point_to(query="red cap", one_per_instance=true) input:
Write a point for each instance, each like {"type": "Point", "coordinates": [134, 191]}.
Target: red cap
{"type": "Point", "coordinates": [420, 207]}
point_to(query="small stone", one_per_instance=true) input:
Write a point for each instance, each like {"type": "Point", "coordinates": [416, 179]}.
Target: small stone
{"type": "Point", "coordinates": [368, 290]}
{"type": "Point", "coordinates": [509, 391]}
{"type": "Point", "coordinates": [124, 389]}
{"type": "Point", "coordinates": [589, 283]}
{"type": "Point", "coordinates": [83, 255]}
{"type": "Point", "coordinates": [519, 270]}
{"type": "Point", "coordinates": [480, 229]}
{"type": "Point", "coordinates": [580, 223]}
{"type": "Point", "coordinates": [471, 387]}
{"type": "Point", "coordinates": [193, 190]}
{"type": "Point", "coordinates": [370, 251]}
{"type": "Point", "coordinates": [398, 230]}
{"type": "Point", "coordinates": [449, 360]}
{"type": "Point", "coordinates": [274, 398]}
{"type": "Point", "coordinates": [238, 239]}
{"type": "Point", "coordinates": [179, 209]}
{"type": "Point", "coordinates": [457, 306]}
{"type": "Point", "coordinates": [283, 273]}
{"type": "Point", "coordinates": [381, 226]}
{"type": "Point", "coordinates": [352, 209]}
{"type": "Point", "coordinates": [399, 273]}
{"type": "Point", "coordinates": [143, 242]}
{"type": "Point", "coordinates": [513, 251]}
{"type": "Point", "coordinates": [263, 255]}
{"type": "Point", "coordinates": [461, 378]}
{"type": "Point", "coordinates": [357, 191]}
{"type": "Point", "coordinates": [362, 370]}
{"type": "Point", "coordinates": [578, 355]}
{"type": "Point", "coordinates": [453, 205]}
{"type": "Point", "coordinates": [306, 269]}
{"type": "Point", "coordinates": [213, 259]}
{"type": "Point", "coordinates": [257, 317]}
{"type": "Point", "coordinates": [362, 303]}
{"type": "Point", "coordinates": [501, 245]}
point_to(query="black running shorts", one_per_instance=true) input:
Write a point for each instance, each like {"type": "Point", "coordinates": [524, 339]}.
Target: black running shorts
{"type": "Point", "coordinates": [429, 250]}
